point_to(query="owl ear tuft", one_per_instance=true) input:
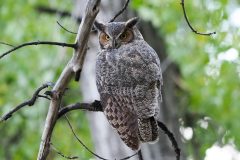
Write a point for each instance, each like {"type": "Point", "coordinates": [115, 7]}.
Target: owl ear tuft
{"type": "Point", "coordinates": [132, 22]}
{"type": "Point", "coordinates": [99, 26]}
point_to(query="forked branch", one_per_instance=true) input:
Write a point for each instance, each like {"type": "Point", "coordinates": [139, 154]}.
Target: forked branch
{"type": "Point", "coordinates": [73, 66]}
{"type": "Point", "coordinates": [29, 102]}
{"type": "Point", "coordinates": [96, 106]}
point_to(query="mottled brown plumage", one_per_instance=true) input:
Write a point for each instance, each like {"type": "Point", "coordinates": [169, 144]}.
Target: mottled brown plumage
{"type": "Point", "coordinates": [129, 81]}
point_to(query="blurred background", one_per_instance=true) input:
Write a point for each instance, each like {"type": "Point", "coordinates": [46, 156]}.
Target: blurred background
{"type": "Point", "coordinates": [201, 78]}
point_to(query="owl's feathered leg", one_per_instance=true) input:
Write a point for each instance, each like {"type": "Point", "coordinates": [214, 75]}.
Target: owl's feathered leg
{"type": "Point", "coordinates": [148, 129]}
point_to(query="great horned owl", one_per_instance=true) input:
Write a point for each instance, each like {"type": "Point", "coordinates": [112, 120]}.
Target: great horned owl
{"type": "Point", "coordinates": [129, 81]}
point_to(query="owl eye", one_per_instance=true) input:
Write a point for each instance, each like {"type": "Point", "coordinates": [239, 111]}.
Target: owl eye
{"type": "Point", "coordinates": [106, 37]}
{"type": "Point", "coordinates": [124, 35]}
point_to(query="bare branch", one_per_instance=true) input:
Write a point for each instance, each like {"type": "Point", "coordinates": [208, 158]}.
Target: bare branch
{"type": "Point", "coordinates": [61, 13]}
{"type": "Point", "coordinates": [74, 65]}
{"type": "Point", "coordinates": [128, 157]}
{"type": "Point", "coordinates": [45, 9]}
{"type": "Point", "coordinates": [95, 106]}
{"type": "Point", "coordinates": [121, 11]}
{"type": "Point", "coordinates": [6, 44]}
{"type": "Point", "coordinates": [61, 154]}
{"type": "Point", "coordinates": [65, 28]}
{"type": "Point", "coordinates": [39, 43]}
{"type": "Point", "coordinates": [45, 97]}
{"type": "Point", "coordinates": [75, 135]}
{"type": "Point", "coordinates": [172, 139]}
{"type": "Point", "coordinates": [190, 26]}
{"type": "Point", "coordinates": [78, 139]}
{"type": "Point", "coordinates": [26, 103]}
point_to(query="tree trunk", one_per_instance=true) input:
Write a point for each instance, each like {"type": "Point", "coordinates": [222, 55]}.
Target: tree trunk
{"type": "Point", "coordinates": [107, 143]}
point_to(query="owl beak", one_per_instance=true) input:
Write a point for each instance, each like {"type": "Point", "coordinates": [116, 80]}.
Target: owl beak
{"type": "Point", "coordinates": [115, 45]}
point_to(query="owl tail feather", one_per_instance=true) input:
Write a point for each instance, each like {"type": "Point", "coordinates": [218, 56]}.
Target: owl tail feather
{"type": "Point", "coordinates": [148, 129]}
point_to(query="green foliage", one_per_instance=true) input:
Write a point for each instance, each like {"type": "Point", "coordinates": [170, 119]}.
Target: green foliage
{"type": "Point", "coordinates": [210, 80]}
{"type": "Point", "coordinates": [28, 68]}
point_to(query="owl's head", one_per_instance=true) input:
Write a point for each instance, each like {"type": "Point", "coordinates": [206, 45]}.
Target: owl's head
{"type": "Point", "coordinates": [115, 34]}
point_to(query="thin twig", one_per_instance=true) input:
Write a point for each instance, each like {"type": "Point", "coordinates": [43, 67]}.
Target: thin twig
{"type": "Point", "coordinates": [65, 28]}
{"type": "Point", "coordinates": [7, 44]}
{"type": "Point", "coordinates": [45, 97]}
{"type": "Point", "coordinates": [26, 103]}
{"type": "Point", "coordinates": [45, 9]}
{"type": "Point", "coordinates": [95, 106]}
{"type": "Point", "coordinates": [62, 13]}
{"type": "Point", "coordinates": [172, 139]}
{"type": "Point", "coordinates": [190, 26]}
{"type": "Point", "coordinates": [75, 135]}
{"type": "Point", "coordinates": [38, 43]}
{"type": "Point", "coordinates": [121, 11]}
{"type": "Point", "coordinates": [61, 154]}
{"type": "Point", "coordinates": [128, 157]}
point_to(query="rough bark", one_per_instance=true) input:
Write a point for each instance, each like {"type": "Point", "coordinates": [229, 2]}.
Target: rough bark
{"type": "Point", "coordinates": [73, 66]}
{"type": "Point", "coordinates": [107, 143]}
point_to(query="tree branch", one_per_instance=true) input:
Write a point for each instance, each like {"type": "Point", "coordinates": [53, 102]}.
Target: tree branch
{"type": "Point", "coordinates": [78, 139]}
{"type": "Point", "coordinates": [65, 28]}
{"type": "Point", "coordinates": [74, 46]}
{"type": "Point", "coordinates": [121, 11]}
{"type": "Point", "coordinates": [26, 103]}
{"type": "Point", "coordinates": [62, 13]}
{"type": "Point", "coordinates": [74, 65]}
{"type": "Point", "coordinates": [190, 26]}
{"type": "Point", "coordinates": [75, 135]}
{"type": "Point", "coordinates": [95, 106]}
{"type": "Point", "coordinates": [6, 44]}
{"type": "Point", "coordinates": [172, 139]}
{"type": "Point", "coordinates": [61, 154]}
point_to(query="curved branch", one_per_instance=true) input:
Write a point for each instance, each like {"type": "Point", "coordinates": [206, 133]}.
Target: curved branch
{"type": "Point", "coordinates": [26, 103]}
{"type": "Point", "coordinates": [78, 139]}
{"type": "Point", "coordinates": [121, 11]}
{"type": "Point", "coordinates": [61, 154]}
{"type": "Point", "coordinates": [189, 24]}
{"type": "Point", "coordinates": [74, 46]}
{"type": "Point", "coordinates": [75, 135]}
{"type": "Point", "coordinates": [172, 139]}
{"type": "Point", "coordinates": [65, 28]}
{"type": "Point", "coordinates": [95, 106]}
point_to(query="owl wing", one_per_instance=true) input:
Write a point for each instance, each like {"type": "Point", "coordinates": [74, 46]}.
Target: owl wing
{"type": "Point", "coordinates": [146, 73]}
{"type": "Point", "coordinates": [121, 116]}
{"type": "Point", "coordinates": [144, 68]}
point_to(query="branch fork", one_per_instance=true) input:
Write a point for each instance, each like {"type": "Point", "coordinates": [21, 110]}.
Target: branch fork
{"type": "Point", "coordinates": [74, 66]}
